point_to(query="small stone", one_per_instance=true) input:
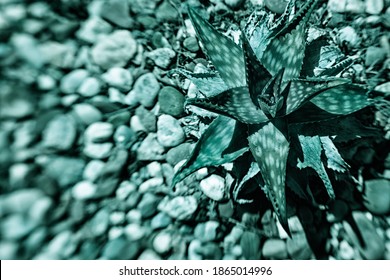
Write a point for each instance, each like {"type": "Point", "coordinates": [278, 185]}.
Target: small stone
{"type": "Point", "coordinates": [206, 231]}
{"type": "Point", "coordinates": [93, 169]}
{"type": "Point", "coordinates": [348, 35]}
{"type": "Point", "coordinates": [115, 232]}
{"type": "Point", "coordinates": [154, 170]}
{"type": "Point", "coordinates": [275, 249]}
{"type": "Point", "coordinates": [87, 113]}
{"type": "Point", "coordinates": [162, 57]}
{"type": "Point", "coordinates": [117, 12]}
{"type": "Point", "coordinates": [46, 82]}
{"type": "Point", "coordinates": [144, 6]}
{"type": "Point", "coordinates": [298, 248]}
{"type": "Point", "coordinates": [98, 132]}
{"type": "Point", "coordinates": [40, 209]}
{"type": "Point", "coordinates": [346, 252]}
{"type": "Point", "coordinates": [124, 189]}
{"type": "Point", "coordinates": [118, 77]}
{"type": "Point", "coordinates": [162, 243]}
{"type": "Point", "coordinates": [161, 220]}
{"type": "Point", "coordinates": [65, 170]}
{"type": "Point", "coordinates": [84, 190]}
{"type": "Point", "coordinates": [98, 150]}
{"type": "Point", "coordinates": [19, 201]}
{"type": "Point", "coordinates": [374, 55]}
{"type": "Point", "coordinates": [374, 7]}
{"type": "Point", "coordinates": [180, 207]}
{"type": "Point", "coordinates": [148, 255]}
{"type": "Point", "coordinates": [179, 153]}
{"type": "Point", "coordinates": [114, 50]}
{"type": "Point", "coordinates": [147, 118]}
{"type": "Point", "coordinates": [15, 227]}
{"type": "Point", "coordinates": [134, 216]}
{"type": "Point", "coordinates": [119, 118]}
{"type": "Point", "coordinates": [338, 6]}
{"type": "Point", "coordinates": [355, 6]}
{"type": "Point", "coordinates": [98, 225]}
{"type": "Point", "coordinates": [8, 250]}
{"type": "Point", "coordinates": [276, 6]}
{"type": "Point", "coordinates": [124, 136]}
{"type": "Point", "coordinates": [166, 12]}
{"type": "Point", "coordinates": [120, 249]}
{"type": "Point", "coordinates": [377, 196]}
{"type": "Point", "coordinates": [384, 88]}
{"type": "Point", "coordinates": [169, 131]}
{"type": "Point", "coordinates": [150, 149]}
{"type": "Point", "coordinates": [16, 108]}
{"type": "Point", "coordinates": [194, 248]}
{"type": "Point", "coordinates": [250, 245]}
{"type": "Point", "coordinates": [91, 86]}
{"type": "Point", "coordinates": [191, 44]}
{"type": "Point", "coordinates": [58, 54]}
{"type": "Point", "coordinates": [92, 29]}
{"type": "Point", "coordinates": [117, 218]}
{"type": "Point", "coordinates": [213, 187]}
{"type": "Point", "coordinates": [63, 245]}
{"type": "Point", "coordinates": [234, 4]}
{"type": "Point", "coordinates": [60, 133]}
{"type": "Point", "coordinates": [171, 101]}
{"type": "Point", "coordinates": [146, 88]}
{"type": "Point", "coordinates": [151, 185]}
{"type": "Point", "coordinates": [25, 134]}
{"type": "Point", "coordinates": [134, 232]}
{"type": "Point", "coordinates": [148, 205]}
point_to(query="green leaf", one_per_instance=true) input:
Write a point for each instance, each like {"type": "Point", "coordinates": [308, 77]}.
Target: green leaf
{"type": "Point", "coordinates": [250, 173]}
{"type": "Point", "coordinates": [224, 134]}
{"type": "Point", "coordinates": [334, 159]}
{"type": "Point", "coordinates": [270, 147]}
{"type": "Point", "coordinates": [235, 103]}
{"type": "Point", "coordinates": [209, 84]}
{"type": "Point", "coordinates": [226, 56]}
{"type": "Point", "coordinates": [342, 99]}
{"type": "Point", "coordinates": [312, 149]}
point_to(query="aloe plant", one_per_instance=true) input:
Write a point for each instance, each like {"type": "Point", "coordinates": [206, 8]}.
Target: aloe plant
{"type": "Point", "coordinates": [267, 107]}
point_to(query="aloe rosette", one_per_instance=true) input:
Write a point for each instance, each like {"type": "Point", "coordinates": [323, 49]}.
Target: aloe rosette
{"type": "Point", "coordinates": [267, 107]}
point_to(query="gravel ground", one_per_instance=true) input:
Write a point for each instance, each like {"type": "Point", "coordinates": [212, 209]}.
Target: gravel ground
{"type": "Point", "coordinates": [92, 129]}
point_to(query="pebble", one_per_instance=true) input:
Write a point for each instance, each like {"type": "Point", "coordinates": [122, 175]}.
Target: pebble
{"type": "Point", "coordinates": [98, 225]}
{"type": "Point", "coordinates": [147, 119]}
{"type": "Point", "coordinates": [151, 185]}
{"type": "Point", "coordinates": [276, 6]}
{"type": "Point", "coordinates": [385, 87]}
{"type": "Point", "coordinates": [124, 189]}
{"type": "Point", "coordinates": [25, 134]}
{"type": "Point", "coordinates": [19, 201]}
{"type": "Point", "coordinates": [63, 245]}
{"type": "Point", "coordinates": [149, 254]}
{"type": "Point", "coordinates": [194, 248]}
{"type": "Point", "coordinates": [91, 86]}
{"type": "Point", "coordinates": [117, 12]}
{"type": "Point", "coordinates": [150, 149]}
{"type": "Point", "coordinates": [98, 150]}
{"type": "Point", "coordinates": [161, 220]}
{"type": "Point", "coordinates": [348, 35]}
{"type": "Point", "coordinates": [60, 133]}
{"type": "Point", "coordinates": [133, 200]}
{"type": "Point", "coordinates": [26, 47]}
{"type": "Point", "coordinates": [169, 131]}
{"type": "Point", "coordinates": [16, 108]}
{"type": "Point", "coordinates": [8, 250]}
{"type": "Point", "coordinates": [118, 77]}
{"type": "Point", "coordinates": [134, 216]}
{"type": "Point", "coordinates": [84, 190]}
{"type": "Point", "coordinates": [148, 205]}
{"type": "Point", "coordinates": [72, 81]}
{"type": "Point", "coordinates": [124, 136]}
{"type": "Point", "coordinates": [154, 169]}
{"type": "Point", "coordinates": [40, 209]}
{"type": "Point", "coordinates": [98, 132]}
{"type": "Point", "coordinates": [346, 252]}
{"type": "Point", "coordinates": [374, 7]}
{"type": "Point", "coordinates": [15, 227]}
{"type": "Point", "coordinates": [275, 249]}
{"type": "Point", "coordinates": [144, 6]}
{"type": "Point", "coordinates": [171, 101]}
{"type": "Point", "coordinates": [234, 4]}
{"type": "Point", "coordinates": [120, 249]}
{"type": "Point", "coordinates": [69, 100]}
{"type": "Point", "coordinates": [134, 232]}
{"type": "Point", "coordinates": [66, 170]}
{"type": "Point", "coordinates": [92, 170]}
{"type": "Point", "coordinates": [165, 12]}
{"type": "Point", "coordinates": [250, 245]}
{"type": "Point", "coordinates": [162, 57]}
{"type": "Point", "coordinates": [213, 187]}
{"type": "Point", "coordinates": [46, 82]}
{"type": "Point", "coordinates": [374, 55]}
{"type": "Point", "coordinates": [115, 232]}
{"type": "Point", "coordinates": [298, 247]}
{"type": "Point", "coordinates": [119, 118]}
{"type": "Point", "coordinates": [162, 243]}
{"type": "Point", "coordinates": [206, 231]}
{"type": "Point", "coordinates": [377, 196]}
{"type": "Point", "coordinates": [58, 54]}
{"type": "Point", "coordinates": [117, 218]}
{"type": "Point", "coordinates": [92, 29]}
{"type": "Point", "coordinates": [180, 207]}
{"type": "Point", "coordinates": [114, 50]}
{"type": "Point", "coordinates": [146, 88]}
{"type": "Point", "coordinates": [87, 113]}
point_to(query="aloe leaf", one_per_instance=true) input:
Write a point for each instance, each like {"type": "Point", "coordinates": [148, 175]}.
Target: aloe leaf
{"type": "Point", "coordinates": [235, 103]}
{"type": "Point", "coordinates": [270, 147]}
{"type": "Point", "coordinates": [224, 53]}
{"type": "Point", "coordinates": [256, 75]}
{"type": "Point", "coordinates": [209, 84]}
{"type": "Point", "coordinates": [312, 149]}
{"type": "Point", "coordinates": [251, 172]}
{"type": "Point", "coordinates": [223, 134]}
{"type": "Point", "coordinates": [302, 90]}
{"type": "Point", "coordinates": [286, 47]}
{"type": "Point", "coordinates": [342, 99]}
{"type": "Point", "coordinates": [334, 159]}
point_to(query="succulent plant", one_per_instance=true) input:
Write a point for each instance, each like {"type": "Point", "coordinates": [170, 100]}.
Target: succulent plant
{"type": "Point", "coordinates": [272, 116]}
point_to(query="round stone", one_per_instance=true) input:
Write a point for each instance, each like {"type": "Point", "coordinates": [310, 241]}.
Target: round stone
{"type": "Point", "coordinates": [84, 190]}
{"type": "Point", "coordinates": [171, 101]}
{"type": "Point", "coordinates": [162, 242]}
{"type": "Point", "coordinates": [169, 131]}
{"type": "Point", "coordinates": [91, 86]}
{"type": "Point", "coordinates": [87, 113]}
{"type": "Point", "coordinates": [72, 81]}
{"type": "Point", "coordinates": [98, 132]}
{"type": "Point", "coordinates": [118, 77]}
{"type": "Point", "coordinates": [213, 187]}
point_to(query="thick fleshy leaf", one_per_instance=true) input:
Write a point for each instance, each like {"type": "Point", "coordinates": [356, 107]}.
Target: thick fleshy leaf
{"type": "Point", "coordinates": [302, 90]}
{"type": "Point", "coordinates": [256, 75]}
{"type": "Point", "coordinates": [222, 142]}
{"type": "Point", "coordinates": [312, 149]}
{"type": "Point", "coordinates": [250, 173]}
{"type": "Point", "coordinates": [342, 99]}
{"type": "Point", "coordinates": [334, 159]}
{"type": "Point", "coordinates": [271, 98]}
{"type": "Point", "coordinates": [209, 84]}
{"type": "Point", "coordinates": [235, 103]}
{"type": "Point", "coordinates": [270, 147]}
{"type": "Point", "coordinates": [286, 47]}
{"type": "Point", "coordinates": [223, 52]}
